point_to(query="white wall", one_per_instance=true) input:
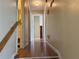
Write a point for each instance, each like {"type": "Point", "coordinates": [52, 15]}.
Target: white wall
{"type": "Point", "coordinates": [62, 25]}
{"type": "Point", "coordinates": [8, 16]}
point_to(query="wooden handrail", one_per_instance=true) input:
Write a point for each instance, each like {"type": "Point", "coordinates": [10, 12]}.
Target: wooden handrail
{"type": "Point", "coordinates": [8, 35]}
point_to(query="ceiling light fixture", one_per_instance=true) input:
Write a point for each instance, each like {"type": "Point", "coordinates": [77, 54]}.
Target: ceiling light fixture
{"type": "Point", "coordinates": [37, 3]}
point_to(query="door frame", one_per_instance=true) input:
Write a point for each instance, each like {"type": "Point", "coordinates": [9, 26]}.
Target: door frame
{"type": "Point", "coordinates": [32, 24]}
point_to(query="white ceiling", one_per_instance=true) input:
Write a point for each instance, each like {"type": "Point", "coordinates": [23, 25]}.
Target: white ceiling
{"type": "Point", "coordinates": [40, 4]}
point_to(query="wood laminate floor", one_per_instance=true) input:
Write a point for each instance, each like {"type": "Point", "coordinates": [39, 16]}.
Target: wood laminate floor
{"type": "Point", "coordinates": [37, 50]}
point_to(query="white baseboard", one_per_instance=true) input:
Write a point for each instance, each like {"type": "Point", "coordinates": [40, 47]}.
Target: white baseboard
{"type": "Point", "coordinates": [26, 44]}
{"type": "Point", "coordinates": [47, 57]}
{"type": "Point", "coordinates": [59, 55]}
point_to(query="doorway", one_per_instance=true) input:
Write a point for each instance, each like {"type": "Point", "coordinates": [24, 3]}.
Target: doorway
{"type": "Point", "coordinates": [36, 26]}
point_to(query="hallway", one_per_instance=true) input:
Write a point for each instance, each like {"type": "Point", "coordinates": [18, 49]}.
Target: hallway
{"type": "Point", "coordinates": [59, 29]}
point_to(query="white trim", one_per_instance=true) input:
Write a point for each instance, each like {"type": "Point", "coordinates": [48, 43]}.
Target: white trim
{"type": "Point", "coordinates": [39, 57]}
{"type": "Point", "coordinates": [59, 55]}
{"type": "Point", "coordinates": [44, 27]}
{"type": "Point", "coordinates": [27, 44]}
{"type": "Point", "coordinates": [32, 24]}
